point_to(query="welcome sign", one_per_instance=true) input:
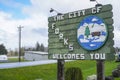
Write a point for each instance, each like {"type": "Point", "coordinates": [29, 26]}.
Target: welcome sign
{"type": "Point", "coordinates": [83, 34]}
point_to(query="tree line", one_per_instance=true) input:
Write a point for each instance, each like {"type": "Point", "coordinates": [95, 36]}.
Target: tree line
{"type": "Point", "coordinates": [37, 47]}
{"type": "Point", "coordinates": [3, 50]}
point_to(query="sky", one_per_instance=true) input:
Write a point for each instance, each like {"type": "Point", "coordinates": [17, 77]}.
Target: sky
{"type": "Point", "coordinates": [33, 16]}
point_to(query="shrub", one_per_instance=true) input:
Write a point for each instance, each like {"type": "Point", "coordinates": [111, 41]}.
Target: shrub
{"type": "Point", "coordinates": [73, 73]}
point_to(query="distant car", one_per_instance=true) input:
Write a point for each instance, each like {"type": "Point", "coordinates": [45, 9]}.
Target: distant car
{"type": "Point", "coordinates": [3, 58]}
{"type": "Point", "coordinates": [117, 57]}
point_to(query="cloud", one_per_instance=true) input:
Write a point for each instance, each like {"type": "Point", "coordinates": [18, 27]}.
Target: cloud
{"type": "Point", "coordinates": [94, 19]}
{"type": "Point", "coordinates": [36, 24]}
{"type": "Point", "coordinates": [40, 31]}
{"type": "Point", "coordinates": [84, 40]}
{"type": "Point", "coordinates": [85, 24]}
{"type": "Point", "coordinates": [29, 36]}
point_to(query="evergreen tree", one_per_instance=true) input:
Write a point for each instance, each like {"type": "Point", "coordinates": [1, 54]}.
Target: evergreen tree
{"type": "Point", "coordinates": [3, 50]}
{"type": "Point", "coordinates": [37, 47]}
{"type": "Point", "coordinates": [42, 48]}
{"type": "Point", "coordinates": [87, 31]}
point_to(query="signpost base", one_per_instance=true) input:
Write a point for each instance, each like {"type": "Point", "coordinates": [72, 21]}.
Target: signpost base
{"type": "Point", "coordinates": [100, 70]}
{"type": "Point", "coordinates": [60, 69]}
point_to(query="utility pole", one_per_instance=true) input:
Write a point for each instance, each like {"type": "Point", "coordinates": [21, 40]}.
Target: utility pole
{"type": "Point", "coordinates": [19, 29]}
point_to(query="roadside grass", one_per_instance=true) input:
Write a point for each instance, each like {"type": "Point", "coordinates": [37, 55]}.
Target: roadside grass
{"type": "Point", "coordinates": [49, 71]}
{"type": "Point", "coordinates": [15, 59]}
{"type": "Point", "coordinates": [41, 72]}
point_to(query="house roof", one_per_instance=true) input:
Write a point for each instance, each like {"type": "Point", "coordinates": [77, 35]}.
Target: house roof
{"type": "Point", "coordinates": [36, 52]}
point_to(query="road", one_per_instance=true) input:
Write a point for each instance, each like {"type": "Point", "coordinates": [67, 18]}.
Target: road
{"type": "Point", "coordinates": [22, 64]}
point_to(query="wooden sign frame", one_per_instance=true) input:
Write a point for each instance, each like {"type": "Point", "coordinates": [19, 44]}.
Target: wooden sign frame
{"type": "Point", "coordinates": [62, 35]}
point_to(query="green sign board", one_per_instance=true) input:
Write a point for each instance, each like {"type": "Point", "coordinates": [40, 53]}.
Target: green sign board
{"type": "Point", "coordinates": [84, 34]}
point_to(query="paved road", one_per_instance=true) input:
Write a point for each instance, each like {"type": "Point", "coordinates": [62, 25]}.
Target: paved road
{"type": "Point", "coordinates": [22, 64]}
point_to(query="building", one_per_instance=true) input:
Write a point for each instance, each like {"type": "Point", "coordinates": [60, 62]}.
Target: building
{"type": "Point", "coordinates": [35, 55]}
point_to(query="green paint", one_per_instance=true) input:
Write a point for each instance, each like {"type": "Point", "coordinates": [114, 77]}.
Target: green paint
{"type": "Point", "coordinates": [87, 31]}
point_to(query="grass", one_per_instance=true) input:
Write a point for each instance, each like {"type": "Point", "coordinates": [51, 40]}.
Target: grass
{"type": "Point", "coordinates": [49, 71]}
{"type": "Point", "coordinates": [10, 60]}
{"type": "Point", "coordinates": [15, 60]}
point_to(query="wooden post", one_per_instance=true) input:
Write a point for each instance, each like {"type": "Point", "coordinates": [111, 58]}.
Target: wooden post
{"type": "Point", "coordinates": [60, 69]}
{"type": "Point", "coordinates": [100, 70]}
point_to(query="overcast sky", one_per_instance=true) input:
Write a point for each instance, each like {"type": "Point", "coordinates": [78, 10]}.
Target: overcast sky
{"type": "Point", "coordinates": [33, 15]}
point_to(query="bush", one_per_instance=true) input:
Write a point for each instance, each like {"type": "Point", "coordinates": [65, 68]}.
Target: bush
{"type": "Point", "coordinates": [118, 67]}
{"type": "Point", "coordinates": [109, 78]}
{"type": "Point", "coordinates": [73, 73]}
{"type": "Point", "coordinates": [116, 73]}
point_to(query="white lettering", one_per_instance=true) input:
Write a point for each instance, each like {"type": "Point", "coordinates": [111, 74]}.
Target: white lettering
{"type": "Point", "coordinates": [82, 56]}
{"type": "Point", "coordinates": [65, 56]}
{"type": "Point", "coordinates": [98, 56]}
{"type": "Point", "coordinates": [55, 19]}
{"type": "Point", "coordinates": [96, 9]}
{"type": "Point", "coordinates": [54, 56]}
{"type": "Point", "coordinates": [59, 56]}
{"type": "Point", "coordinates": [95, 56]}
{"type": "Point", "coordinates": [59, 17]}
{"type": "Point", "coordinates": [62, 17]}
{"type": "Point", "coordinates": [99, 8]}
{"type": "Point", "coordinates": [57, 31]}
{"type": "Point", "coordinates": [92, 56]}
{"type": "Point", "coordinates": [61, 36]}
{"type": "Point", "coordinates": [68, 56]}
{"type": "Point", "coordinates": [77, 13]}
{"type": "Point", "coordinates": [70, 15]}
{"type": "Point", "coordinates": [93, 10]}
{"type": "Point", "coordinates": [77, 56]}
{"type": "Point", "coordinates": [102, 56]}
{"type": "Point", "coordinates": [70, 47]}
{"type": "Point", "coordinates": [74, 14]}
{"type": "Point", "coordinates": [65, 41]}
{"type": "Point", "coordinates": [53, 25]}
{"type": "Point", "coordinates": [73, 56]}
{"type": "Point", "coordinates": [83, 12]}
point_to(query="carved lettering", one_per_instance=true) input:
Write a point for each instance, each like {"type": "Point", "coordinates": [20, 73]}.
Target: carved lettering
{"type": "Point", "coordinates": [65, 41]}
{"type": "Point", "coordinates": [57, 31]}
{"type": "Point", "coordinates": [53, 25]}
{"type": "Point", "coordinates": [61, 36]}
{"type": "Point", "coordinates": [71, 47]}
